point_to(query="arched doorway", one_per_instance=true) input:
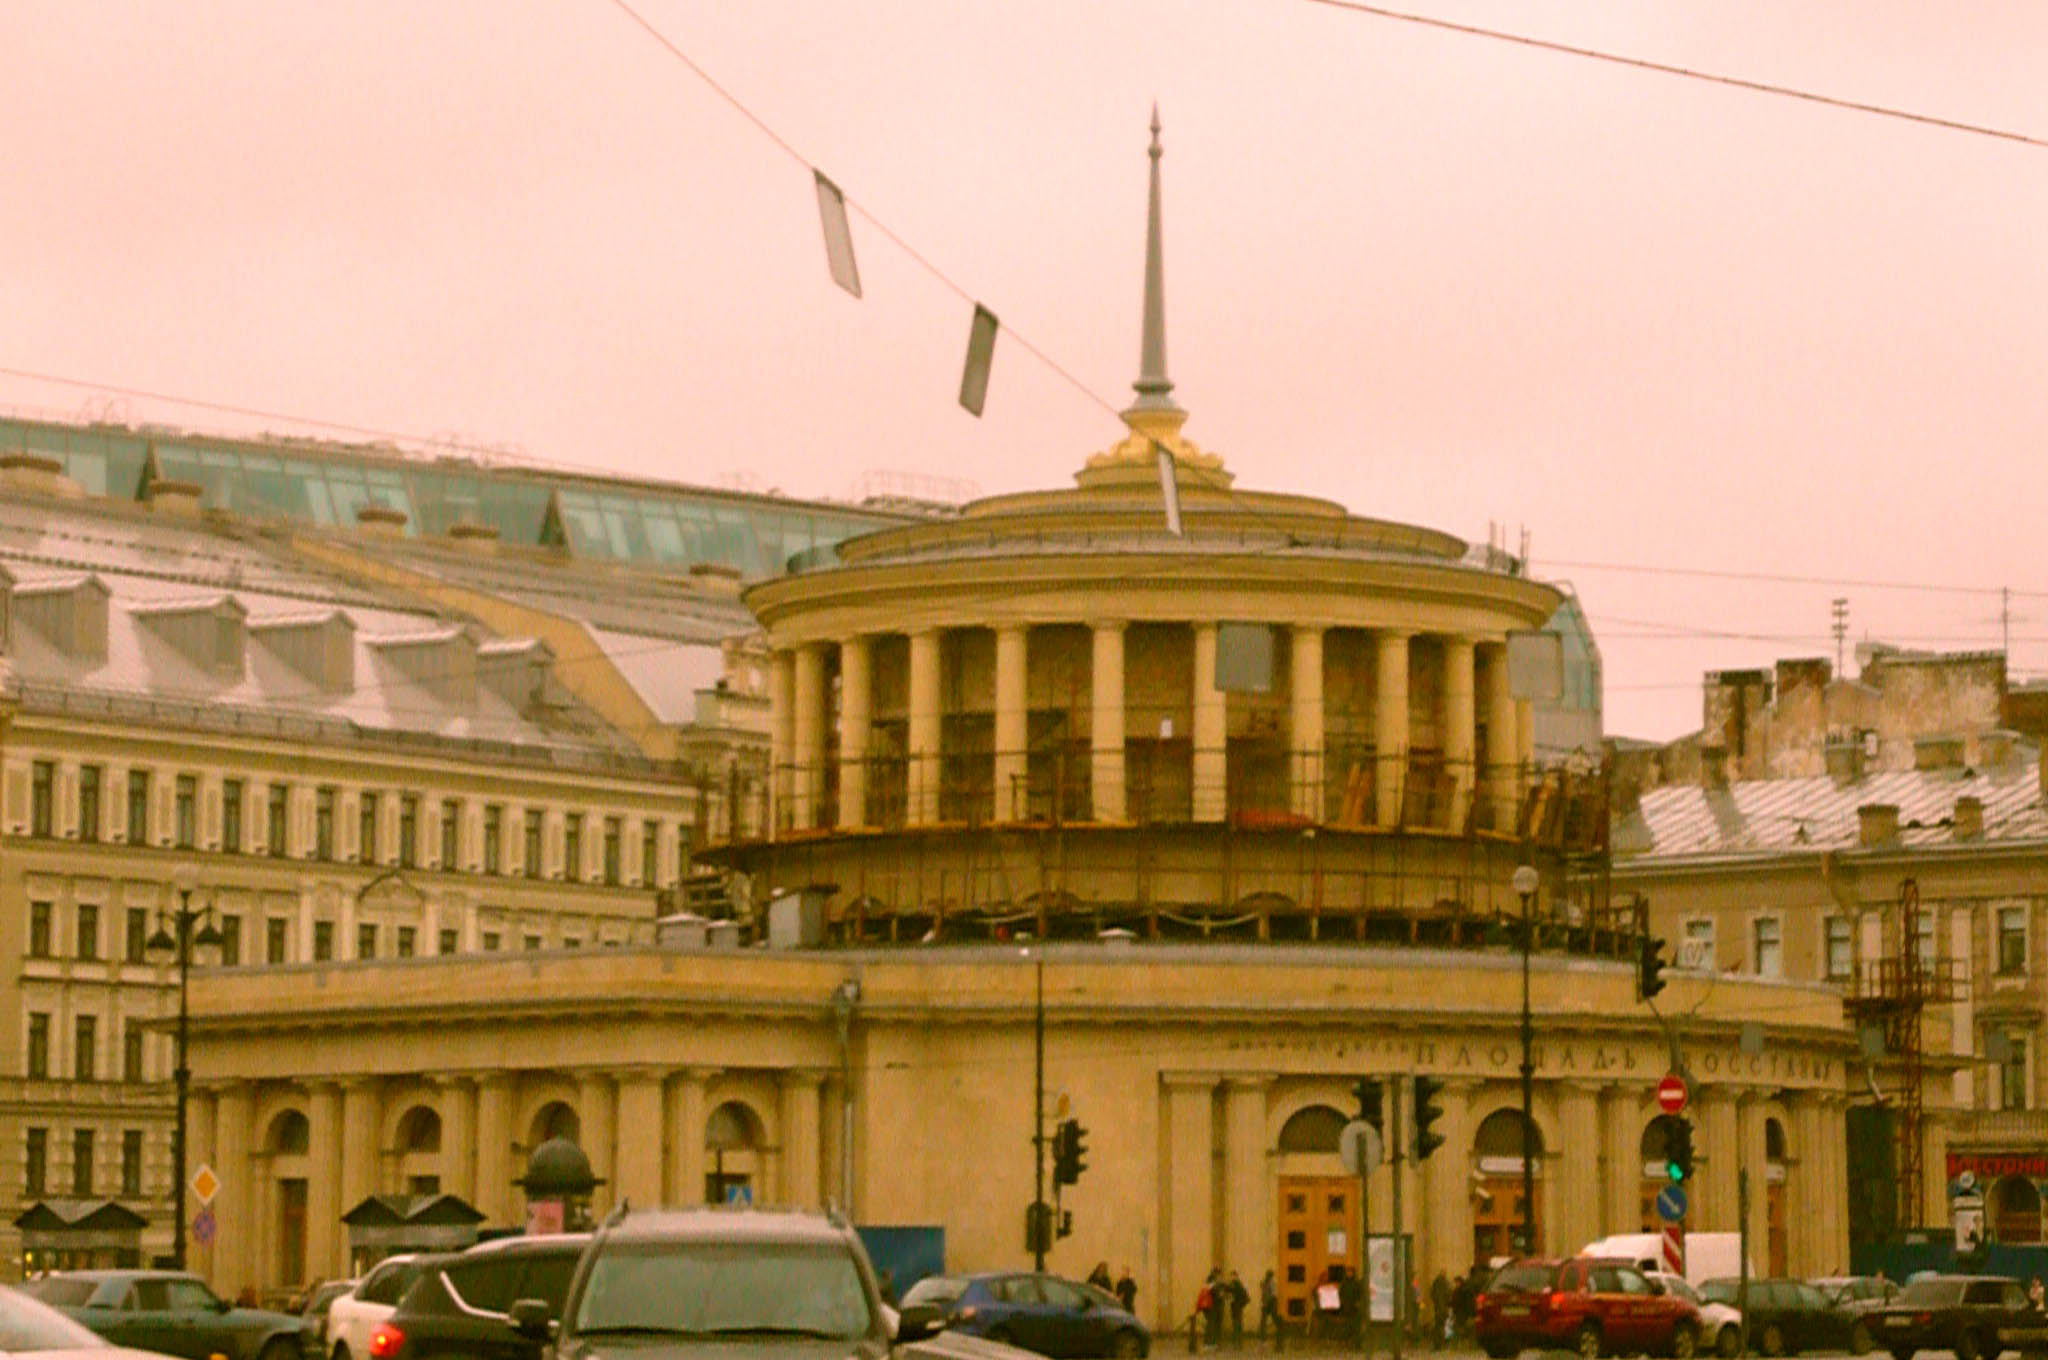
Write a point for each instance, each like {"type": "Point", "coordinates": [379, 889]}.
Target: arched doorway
{"type": "Point", "coordinates": [2016, 1210]}
{"type": "Point", "coordinates": [1775, 1232]}
{"type": "Point", "coordinates": [419, 1151]}
{"type": "Point", "coordinates": [286, 1143]}
{"type": "Point", "coordinates": [1497, 1208]}
{"type": "Point", "coordinates": [1318, 1209]}
{"type": "Point", "coordinates": [1655, 1148]}
{"type": "Point", "coordinates": [732, 1146]}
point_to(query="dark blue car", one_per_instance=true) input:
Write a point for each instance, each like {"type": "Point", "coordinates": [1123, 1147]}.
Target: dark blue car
{"type": "Point", "coordinates": [1043, 1313]}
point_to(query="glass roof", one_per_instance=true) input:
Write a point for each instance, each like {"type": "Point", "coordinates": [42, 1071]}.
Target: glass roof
{"type": "Point", "coordinates": [327, 484]}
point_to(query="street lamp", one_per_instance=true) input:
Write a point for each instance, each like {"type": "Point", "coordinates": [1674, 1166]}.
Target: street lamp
{"type": "Point", "coordinates": [1526, 881]}
{"type": "Point", "coordinates": [162, 948]}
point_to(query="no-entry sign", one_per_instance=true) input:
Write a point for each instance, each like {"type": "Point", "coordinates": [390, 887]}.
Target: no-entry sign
{"type": "Point", "coordinates": [1671, 1093]}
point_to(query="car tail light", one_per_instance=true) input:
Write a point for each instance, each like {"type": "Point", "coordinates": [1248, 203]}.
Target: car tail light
{"type": "Point", "coordinates": [1922, 1319]}
{"type": "Point", "coordinates": [963, 1314]}
{"type": "Point", "coordinates": [1554, 1299]}
{"type": "Point", "coordinates": [385, 1341]}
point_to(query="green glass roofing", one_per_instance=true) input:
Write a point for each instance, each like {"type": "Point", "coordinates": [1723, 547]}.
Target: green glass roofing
{"type": "Point", "coordinates": [326, 484]}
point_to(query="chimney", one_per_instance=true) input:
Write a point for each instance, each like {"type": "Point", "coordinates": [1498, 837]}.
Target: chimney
{"type": "Point", "coordinates": [1997, 747]}
{"type": "Point", "coordinates": [1844, 758]}
{"type": "Point", "coordinates": [716, 579]}
{"type": "Point", "coordinates": [1877, 824]}
{"type": "Point", "coordinates": [481, 539]}
{"type": "Point", "coordinates": [38, 474]}
{"type": "Point", "coordinates": [1969, 819]}
{"type": "Point", "coordinates": [170, 497]}
{"type": "Point", "coordinates": [1714, 766]}
{"type": "Point", "coordinates": [381, 521]}
{"type": "Point", "coordinates": [1938, 753]}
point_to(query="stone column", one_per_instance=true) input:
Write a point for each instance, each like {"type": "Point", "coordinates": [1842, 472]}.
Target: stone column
{"type": "Point", "coordinates": [1013, 725]}
{"type": "Point", "coordinates": [1621, 1172]}
{"type": "Point", "coordinates": [1106, 725]}
{"type": "Point", "coordinates": [1211, 736]}
{"type": "Point", "coordinates": [925, 729]}
{"type": "Point", "coordinates": [1459, 726]}
{"type": "Point", "coordinates": [639, 1143]}
{"type": "Point", "coordinates": [1444, 1235]}
{"type": "Point", "coordinates": [1305, 720]}
{"type": "Point", "coordinates": [458, 1135]}
{"type": "Point", "coordinates": [494, 1170]}
{"type": "Point", "coordinates": [235, 1248]}
{"type": "Point", "coordinates": [1749, 1120]}
{"type": "Point", "coordinates": [1188, 1248]}
{"type": "Point", "coordinates": [1502, 743]}
{"type": "Point", "coordinates": [1934, 1171]}
{"type": "Point", "coordinates": [359, 1121]}
{"type": "Point", "coordinates": [856, 715]}
{"type": "Point", "coordinates": [781, 738]}
{"type": "Point", "coordinates": [1576, 1209]}
{"type": "Point", "coordinates": [1808, 1207]}
{"type": "Point", "coordinates": [326, 1239]}
{"type": "Point", "coordinates": [686, 1138]}
{"type": "Point", "coordinates": [1834, 1137]}
{"type": "Point", "coordinates": [801, 1154]}
{"type": "Point", "coordinates": [807, 736]}
{"type": "Point", "coordinates": [1716, 1150]}
{"type": "Point", "coordinates": [203, 1132]}
{"type": "Point", "coordinates": [596, 1103]}
{"type": "Point", "coordinates": [1390, 729]}
{"type": "Point", "coordinates": [1248, 1228]}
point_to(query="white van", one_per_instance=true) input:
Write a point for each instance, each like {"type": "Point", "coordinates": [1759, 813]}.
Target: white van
{"type": "Point", "coordinates": [1708, 1255]}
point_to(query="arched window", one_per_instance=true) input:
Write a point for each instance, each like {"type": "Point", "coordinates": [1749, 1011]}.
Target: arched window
{"type": "Point", "coordinates": [1499, 1142]}
{"type": "Point", "coordinates": [1656, 1144]}
{"type": "Point", "coordinates": [556, 1120]}
{"type": "Point", "coordinates": [732, 1127]}
{"type": "Point", "coordinates": [419, 1130]}
{"type": "Point", "coordinates": [1774, 1141]}
{"type": "Point", "coordinates": [290, 1134]}
{"type": "Point", "coordinates": [1315, 1129]}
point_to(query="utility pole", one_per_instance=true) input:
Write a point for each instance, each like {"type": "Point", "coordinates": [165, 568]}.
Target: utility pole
{"type": "Point", "coordinates": [1742, 1278]}
{"type": "Point", "coordinates": [1039, 1233]}
{"type": "Point", "coordinates": [1399, 1263]}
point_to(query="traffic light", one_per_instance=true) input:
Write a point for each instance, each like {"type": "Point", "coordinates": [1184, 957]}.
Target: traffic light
{"type": "Point", "coordinates": [1068, 1145]}
{"type": "Point", "coordinates": [1428, 1090]}
{"type": "Point", "coordinates": [1649, 968]}
{"type": "Point", "coordinates": [1368, 1092]}
{"type": "Point", "coordinates": [1677, 1149]}
{"type": "Point", "coordinates": [1038, 1227]}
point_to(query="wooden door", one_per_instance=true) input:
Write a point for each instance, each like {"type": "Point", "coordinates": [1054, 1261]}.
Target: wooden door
{"type": "Point", "coordinates": [1318, 1221]}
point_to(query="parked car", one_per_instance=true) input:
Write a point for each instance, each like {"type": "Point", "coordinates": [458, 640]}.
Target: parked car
{"type": "Point", "coordinates": [1788, 1316]}
{"type": "Point", "coordinates": [313, 1315]}
{"type": "Point", "coordinates": [1720, 1323]}
{"type": "Point", "coordinates": [1042, 1313]}
{"type": "Point", "coordinates": [352, 1318]}
{"type": "Point", "coordinates": [726, 1283]}
{"type": "Point", "coordinates": [30, 1326]}
{"type": "Point", "coordinates": [169, 1311]}
{"type": "Point", "coordinates": [460, 1304]}
{"type": "Point", "coordinates": [1596, 1307]}
{"type": "Point", "coordinates": [1856, 1291]}
{"type": "Point", "coordinates": [1960, 1313]}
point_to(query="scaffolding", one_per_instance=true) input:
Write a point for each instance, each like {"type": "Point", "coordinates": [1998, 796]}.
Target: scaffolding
{"type": "Point", "coordinates": [1892, 994]}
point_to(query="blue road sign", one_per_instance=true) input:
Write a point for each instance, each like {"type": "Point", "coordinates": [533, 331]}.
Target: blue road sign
{"type": "Point", "coordinates": [203, 1226]}
{"type": "Point", "coordinates": [739, 1194]}
{"type": "Point", "coordinates": [1671, 1203]}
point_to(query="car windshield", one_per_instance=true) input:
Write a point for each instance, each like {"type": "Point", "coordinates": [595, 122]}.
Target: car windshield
{"type": "Point", "coordinates": [934, 1289]}
{"type": "Point", "coordinates": [28, 1325]}
{"type": "Point", "coordinates": [1930, 1293]}
{"type": "Point", "coordinates": [702, 1288]}
{"type": "Point", "coordinates": [1678, 1288]}
{"type": "Point", "coordinates": [59, 1290]}
{"type": "Point", "coordinates": [1521, 1280]}
{"type": "Point", "coordinates": [1719, 1291]}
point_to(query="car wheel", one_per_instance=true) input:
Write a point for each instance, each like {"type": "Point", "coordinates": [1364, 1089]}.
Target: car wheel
{"type": "Point", "coordinates": [1001, 1336]}
{"type": "Point", "coordinates": [1902, 1353]}
{"type": "Point", "coordinates": [1771, 1340]}
{"type": "Point", "coordinates": [1587, 1342]}
{"type": "Point", "coordinates": [278, 1348]}
{"type": "Point", "coordinates": [1968, 1347]}
{"type": "Point", "coordinates": [1499, 1350]}
{"type": "Point", "coordinates": [1729, 1343]}
{"type": "Point", "coordinates": [1685, 1342]}
{"type": "Point", "coordinates": [340, 1351]}
{"type": "Point", "coordinates": [1127, 1346]}
{"type": "Point", "coordinates": [1859, 1339]}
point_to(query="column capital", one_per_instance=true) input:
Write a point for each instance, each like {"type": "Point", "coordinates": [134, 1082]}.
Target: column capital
{"type": "Point", "coordinates": [797, 1078]}
{"type": "Point", "coordinates": [1110, 625]}
{"type": "Point", "coordinates": [1188, 1081]}
{"type": "Point", "coordinates": [699, 1075]}
{"type": "Point", "coordinates": [1248, 1081]}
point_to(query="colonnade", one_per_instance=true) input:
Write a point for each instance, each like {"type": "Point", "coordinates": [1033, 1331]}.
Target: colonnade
{"type": "Point", "coordinates": [644, 1129]}
{"type": "Point", "coordinates": [1470, 686]}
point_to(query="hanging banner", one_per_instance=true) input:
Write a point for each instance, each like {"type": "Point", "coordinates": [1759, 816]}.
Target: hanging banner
{"type": "Point", "coordinates": [838, 235]}
{"type": "Point", "coordinates": [981, 354]}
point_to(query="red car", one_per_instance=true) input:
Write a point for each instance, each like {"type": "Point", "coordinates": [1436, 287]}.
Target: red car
{"type": "Point", "coordinates": [1593, 1306]}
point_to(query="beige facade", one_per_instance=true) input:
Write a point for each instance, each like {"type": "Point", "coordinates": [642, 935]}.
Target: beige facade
{"type": "Point", "coordinates": [1210, 1080]}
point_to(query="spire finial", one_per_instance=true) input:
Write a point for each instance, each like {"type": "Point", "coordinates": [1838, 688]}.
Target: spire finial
{"type": "Point", "coordinates": [1154, 388]}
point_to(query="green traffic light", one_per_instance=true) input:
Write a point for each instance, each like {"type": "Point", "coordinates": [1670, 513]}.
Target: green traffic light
{"type": "Point", "coordinates": [1674, 1171]}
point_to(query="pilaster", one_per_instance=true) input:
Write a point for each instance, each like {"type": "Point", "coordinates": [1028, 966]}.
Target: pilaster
{"type": "Point", "coordinates": [925, 728]}
{"type": "Point", "coordinates": [1458, 723]}
{"type": "Point", "coordinates": [1106, 725]}
{"type": "Point", "coordinates": [596, 1107]}
{"type": "Point", "coordinates": [1305, 720]}
{"type": "Point", "coordinates": [1013, 712]}
{"type": "Point", "coordinates": [856, 718]}
{"type": "Point", "coordinates": [801, 1149]}
{"type": "Point", "coordinates": [640, 1150]}
{"type": "Point", "coordinates": [1390, 727]}
{"type": "Point", "coordinates": [1248, 1228]}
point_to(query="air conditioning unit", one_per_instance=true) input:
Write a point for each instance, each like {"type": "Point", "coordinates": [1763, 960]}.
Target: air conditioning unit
{"type": "Point", "coordinates": [1696, 956]}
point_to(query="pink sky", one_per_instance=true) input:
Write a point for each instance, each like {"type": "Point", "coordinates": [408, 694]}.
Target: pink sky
{"type": "Point", "coordinates": [1655, 323]}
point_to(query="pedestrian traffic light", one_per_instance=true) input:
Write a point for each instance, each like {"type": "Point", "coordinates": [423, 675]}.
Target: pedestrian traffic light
{"type": "Point", "coordinates": [1677, 1148]}
{"type": "Point", "coordinates": [1428, 1091]}
{"type": "Point", "coordinates": [1649, 968]}
{"type": "Point", "coordinates": [1368, 1092]}
{"type": "Point", "coordinates": [1068, 1145]}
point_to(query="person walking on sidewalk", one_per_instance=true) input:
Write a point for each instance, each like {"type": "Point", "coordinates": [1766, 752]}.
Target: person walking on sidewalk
{"type": "Point", "coordinates": [1237, 1296]}
{"type": "Point", "coordinates": [1269, 1308]}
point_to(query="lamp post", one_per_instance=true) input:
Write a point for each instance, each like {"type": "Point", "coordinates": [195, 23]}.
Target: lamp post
{"type": "Point", "coordinates": [845, 997]}
{"type": "Point", "coordinates": [1038, 1111]}
{"type": "Point", "coordinates": [1526, 881]}
{"type": "Point", "coordinates": [163, 947]}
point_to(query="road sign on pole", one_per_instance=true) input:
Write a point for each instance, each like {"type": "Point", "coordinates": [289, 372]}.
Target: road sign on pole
{"type": "Point", "coordinates": [1671, 1204]}
{"type": "Point", "coordinates": [1671, 1093]}
{"type": "Point", "coordinates": [1361, 1147]}
{"type": "Point", "coordinates": [203, 1226]}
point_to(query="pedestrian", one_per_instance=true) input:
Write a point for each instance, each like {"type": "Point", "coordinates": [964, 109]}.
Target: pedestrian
{"type": "Point", "coordinates": [1099, 1277]}
{"type": "Point", "coordinates": [1350, 1305]}
{"type": "Point", "coordinates": [1212, 1328]}
{"type": "Point", "coordinates": [1237, 1296]}
{"type": "Point", "coordinates": [1127, 1291]}
{"type": "Point", "coordinates": [1205, 1310]}
{"type": "Point", "coordinates": [2037, 1297]}
{"type": "Point", "coordinates": [1269, 1307]}
{"type": "Point", "coordinates": [1440, 1310]}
